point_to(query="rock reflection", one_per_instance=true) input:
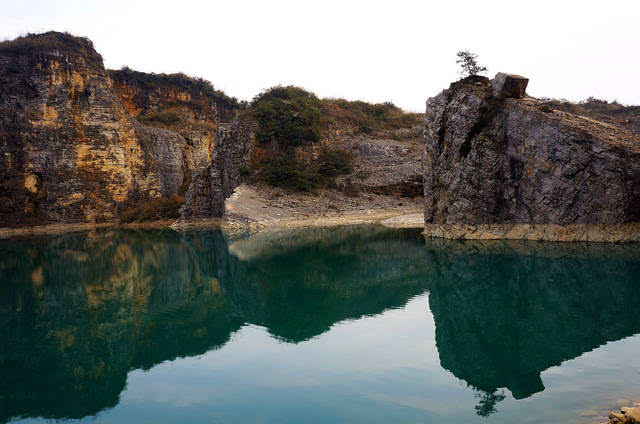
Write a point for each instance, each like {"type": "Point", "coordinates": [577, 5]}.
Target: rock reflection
{"type": "Point", "coordinates": [79, 311]}
{"type": "Point", "coordinates": [506, 311]}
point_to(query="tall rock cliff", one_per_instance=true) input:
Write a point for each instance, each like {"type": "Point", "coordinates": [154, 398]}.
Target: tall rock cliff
{"type": "Point", "coordinates": [213, 184]}
{"type": "Point", "coordinates": [499, 164]}
{"type": "Point", "coordinates": [69, 151]}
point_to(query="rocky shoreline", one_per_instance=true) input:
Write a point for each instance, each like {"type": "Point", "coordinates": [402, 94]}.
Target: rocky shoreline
{"type": "Point", "coordinates": [393, 218]}
{"type": "Point", "coordinates": [598, 233]}
{"type": "Point", "coordinates": [627, 415]}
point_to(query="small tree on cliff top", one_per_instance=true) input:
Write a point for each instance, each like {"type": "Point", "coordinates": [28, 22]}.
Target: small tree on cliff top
{"type": "Point", "coordinates": [469, 64]}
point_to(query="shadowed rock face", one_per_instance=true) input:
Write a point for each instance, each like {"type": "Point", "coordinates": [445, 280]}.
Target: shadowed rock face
{"type": "Point", "coordinates": [213, 184]}
{"type": "Point", "coordinates": [69, 151]}
{"type": "Point", "coordinates": [491, 160]}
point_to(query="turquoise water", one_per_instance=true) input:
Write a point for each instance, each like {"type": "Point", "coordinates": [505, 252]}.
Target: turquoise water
{"type": "Point", "coordinates": [342, 325]}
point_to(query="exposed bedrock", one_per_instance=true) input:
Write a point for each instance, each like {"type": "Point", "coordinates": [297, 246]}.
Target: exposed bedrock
{"type": "Point", "coordinates": [212, 184]}
{"type": "Point", "coordinates": [69, 150]}
{"type": "Point", "coordinates": [499, 164]}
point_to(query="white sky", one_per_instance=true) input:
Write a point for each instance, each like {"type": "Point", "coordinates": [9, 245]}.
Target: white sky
{"type": "Point", "coordinates": [403, 51]}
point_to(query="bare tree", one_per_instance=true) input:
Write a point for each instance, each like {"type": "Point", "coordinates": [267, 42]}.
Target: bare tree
{"type": "Point", "coordinates": [469, 64]}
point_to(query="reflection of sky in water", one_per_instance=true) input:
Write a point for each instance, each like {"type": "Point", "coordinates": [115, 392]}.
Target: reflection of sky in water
{"type": "Point", "coordinates": [384, 366]}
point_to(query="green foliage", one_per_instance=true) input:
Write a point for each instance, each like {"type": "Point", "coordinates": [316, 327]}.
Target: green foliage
{"type": "Point", "coordinates": [286, 170]}
{"type": "Point", "coordinates": [368, 116]}
{"type": "Point", "coordinates": [290, 116]}
{"type": "Point", "coordinates": [334, 162]}
{"type": "Point", "coordinates": [468, 63]}
{"type": "Point", "coordinates": [153, 210]}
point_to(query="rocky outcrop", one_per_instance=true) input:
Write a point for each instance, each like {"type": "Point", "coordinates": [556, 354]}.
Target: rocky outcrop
{"type": "Point", "coordinates": [188, 106]}
{"type": "Point", "coordinates": [507, 167]}
{"type": "Point", "coordinates": [627, 415]}
{"type": "Point", "coordinates": [213, 184]}
{"type": "Point", "coordinates": [69, 150]}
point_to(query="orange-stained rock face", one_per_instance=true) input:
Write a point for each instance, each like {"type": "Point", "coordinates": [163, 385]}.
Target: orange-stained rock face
{"type": "Point", "coordinates": [69, 150]}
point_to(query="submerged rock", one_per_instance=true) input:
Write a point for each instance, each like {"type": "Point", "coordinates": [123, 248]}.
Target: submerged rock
{"type": "Point", "coordinates": [500, 165]}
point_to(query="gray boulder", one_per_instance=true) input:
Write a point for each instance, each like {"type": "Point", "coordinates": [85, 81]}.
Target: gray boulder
{"type": "Point", "coordinates": [506, 86]}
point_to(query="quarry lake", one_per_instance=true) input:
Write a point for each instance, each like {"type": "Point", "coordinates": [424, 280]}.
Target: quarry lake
{"type": "Point", "coordinates": [359, 324]}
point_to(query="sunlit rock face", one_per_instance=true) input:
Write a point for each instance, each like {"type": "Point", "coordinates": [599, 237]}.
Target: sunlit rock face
{"type": "Point", "coordinates": [69, 150]}
{"type": "Point", "coordinates": [508, 167]}
{"type": "Point", "coordinates": [189, 106]}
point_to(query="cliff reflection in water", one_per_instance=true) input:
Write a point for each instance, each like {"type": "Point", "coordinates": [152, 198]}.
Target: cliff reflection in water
{"type": "Point", "coordinates": [506, 311]}
{"type": "Point", "coordinates": [79, 311]}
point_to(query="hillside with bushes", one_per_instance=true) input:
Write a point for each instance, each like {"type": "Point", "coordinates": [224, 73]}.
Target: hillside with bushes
{"type": "Point", "coordinates": [601, 110]}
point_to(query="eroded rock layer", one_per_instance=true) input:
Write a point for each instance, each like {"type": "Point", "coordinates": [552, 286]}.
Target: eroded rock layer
{"type": "Point", "coordinates": [512, 168]}
{"type": "Point", "coordinates": [69, 151]}
{"type": "Point", "coordinates": [213, 184]}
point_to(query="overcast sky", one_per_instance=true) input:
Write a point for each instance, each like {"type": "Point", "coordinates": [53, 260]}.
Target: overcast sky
{"type": "Point", "coordinates": [403, 51]}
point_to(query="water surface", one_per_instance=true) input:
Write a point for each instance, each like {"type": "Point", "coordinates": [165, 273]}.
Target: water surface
{"type": "Point", "coordinates": [338, 325]}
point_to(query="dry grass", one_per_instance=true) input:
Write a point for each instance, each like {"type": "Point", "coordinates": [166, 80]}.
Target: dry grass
{"type": "Point", "coordinates": [153, 210]}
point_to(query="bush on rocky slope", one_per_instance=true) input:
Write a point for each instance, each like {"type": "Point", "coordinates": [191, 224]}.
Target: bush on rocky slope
{"type": "Point", "coordinates": [288, 116]}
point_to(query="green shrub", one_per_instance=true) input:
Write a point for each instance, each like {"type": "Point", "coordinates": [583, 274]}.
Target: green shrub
{"type": "Point", "coordinates": [153, 210]}
{"type": "Point", "coordinates": [288, 172]}
{"type": "Point", "coordinates": [63, 42]}
{"type": "Point", "coordinates": [334, 162]}
{"type": "Point", "coordinates": [290, 116]}
{"type": "Point", "coordinates": [367, 116]}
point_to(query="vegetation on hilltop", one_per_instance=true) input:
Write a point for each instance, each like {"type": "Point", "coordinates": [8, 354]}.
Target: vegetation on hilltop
{"type": "Point", "coordinates": [367, 117]}
{"type": "Point", "coordinates": [63, 42]}
{"type": "Point", "coordinates": [601, 110]}
{"type": "Point", "coordinates": [289, 118]}
{"type": "Point", "coordinates": [227, 106]}
{"type": "Point", "coordinates": [291, 121]}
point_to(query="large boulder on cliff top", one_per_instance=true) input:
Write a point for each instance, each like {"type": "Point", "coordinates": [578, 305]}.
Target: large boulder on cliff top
{"type": "Point", "coordinates": [499, 167]}
{"type": "Point", "coordinates": [509, 86]}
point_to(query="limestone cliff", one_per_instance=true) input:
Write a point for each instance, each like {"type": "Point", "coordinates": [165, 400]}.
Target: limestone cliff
{"type": "Point", "coordinates": [499, 164]}
{"type": "Point", "coordinates": [69, 150]}
{"type": "Point", "coordinates": [188, 106]}
{"type": "Point", "coordinates": [213, 184]}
